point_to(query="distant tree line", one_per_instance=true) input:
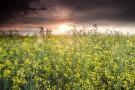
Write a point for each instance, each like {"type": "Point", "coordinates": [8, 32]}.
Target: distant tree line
{"type": "Point", "coordinates": [14, 32]}
{"type": "Point", "coordinates": [9, 33]}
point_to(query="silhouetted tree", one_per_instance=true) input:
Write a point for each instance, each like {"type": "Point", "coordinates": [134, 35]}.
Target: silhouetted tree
{"type": "Point", "coordinates": [95, 26]}
{"type": "Point", "coordinates": [44, 32]}
{"type": "Point", "coordinates": [48, 31]}
{"type": "Point", "coordinates": [41, 32]}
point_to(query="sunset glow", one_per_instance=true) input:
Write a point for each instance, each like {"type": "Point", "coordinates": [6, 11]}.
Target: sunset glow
{"type": "Point", "coordinates": [64, 28]}
{"type": "Point", "coordinates": [62, 15]}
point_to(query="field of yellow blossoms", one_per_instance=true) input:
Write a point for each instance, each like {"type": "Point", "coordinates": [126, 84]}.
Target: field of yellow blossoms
{"type": "Point", "coordinates": [67, 62]}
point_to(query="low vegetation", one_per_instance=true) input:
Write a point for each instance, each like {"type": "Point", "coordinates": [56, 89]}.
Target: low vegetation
{"type": "Point", "coordinates": [76, 61]}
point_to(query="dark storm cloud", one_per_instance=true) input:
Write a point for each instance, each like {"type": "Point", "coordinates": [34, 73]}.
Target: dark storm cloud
{"type": "Point", "coordinates": [70, 11]}
{"type": "Point", "coordinates": [13, 8]}
{"type": "Point", "coordinates": [91, 4]}
{"type": "Point", "coordinates": [104, 9]}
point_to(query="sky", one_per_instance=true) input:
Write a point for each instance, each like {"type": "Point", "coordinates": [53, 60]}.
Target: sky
{"type": "Point", "coordinates": [64, 14]}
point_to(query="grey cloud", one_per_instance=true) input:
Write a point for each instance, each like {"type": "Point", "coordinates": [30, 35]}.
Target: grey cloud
{"type": "Point", "coordinates": [126, 8]}
{"type": "Point", "coordinates": [81, 11]}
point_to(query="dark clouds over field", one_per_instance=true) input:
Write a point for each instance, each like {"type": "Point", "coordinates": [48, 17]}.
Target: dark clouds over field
{"type": "Point", "coordinates": [106, 13]}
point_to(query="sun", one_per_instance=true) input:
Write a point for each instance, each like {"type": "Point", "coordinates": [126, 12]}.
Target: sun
{"type": "Point", "coordinates": [64, 27]}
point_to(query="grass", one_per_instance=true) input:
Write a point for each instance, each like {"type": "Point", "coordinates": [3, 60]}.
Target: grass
{"type": "Point", "coordinates": [91, 61]}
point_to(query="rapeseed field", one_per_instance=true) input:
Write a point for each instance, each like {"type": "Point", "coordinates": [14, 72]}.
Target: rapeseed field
{"type": "Point", "coordinates": [68, 62]}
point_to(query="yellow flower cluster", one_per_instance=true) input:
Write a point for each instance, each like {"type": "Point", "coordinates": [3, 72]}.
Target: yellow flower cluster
{"type": "Point", "coordinates": [67, 62]}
